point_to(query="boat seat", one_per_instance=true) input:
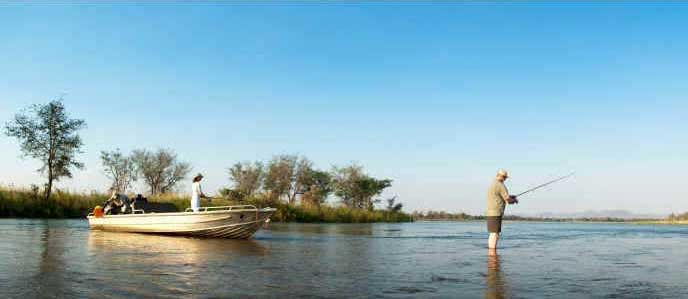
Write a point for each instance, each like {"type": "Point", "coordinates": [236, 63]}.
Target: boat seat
{"type": "Point", "coordinates": [156, 207]}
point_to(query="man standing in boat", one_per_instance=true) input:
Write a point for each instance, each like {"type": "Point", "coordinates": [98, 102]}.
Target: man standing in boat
{"type": "Point", "coordinates": [197, 193]}
{"type": "Point", "coordinates": [497, 199]}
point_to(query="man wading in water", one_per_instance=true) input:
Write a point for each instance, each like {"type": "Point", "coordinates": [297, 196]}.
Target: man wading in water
{"type": "Point", "coordinates": [497, 198]}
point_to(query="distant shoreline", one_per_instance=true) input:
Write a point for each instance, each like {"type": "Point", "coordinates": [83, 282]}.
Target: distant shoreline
{"type": "Point", "coordinates": [673, 219]}
{"type": "Point", "coordinates": [662, 222]}
{"type": "Point", "coordinates": [625, 221]}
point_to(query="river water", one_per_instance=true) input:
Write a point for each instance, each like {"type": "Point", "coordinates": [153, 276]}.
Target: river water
{"type": "Point", "coordinates": [64, 259]}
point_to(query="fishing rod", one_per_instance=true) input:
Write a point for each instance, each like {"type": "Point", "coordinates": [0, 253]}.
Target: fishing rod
{"type": "Point", "coordinates": [545, 184]}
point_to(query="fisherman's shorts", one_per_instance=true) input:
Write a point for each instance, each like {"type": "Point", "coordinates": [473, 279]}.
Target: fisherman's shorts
{"type": "Point", "coordinates": [494, 224]}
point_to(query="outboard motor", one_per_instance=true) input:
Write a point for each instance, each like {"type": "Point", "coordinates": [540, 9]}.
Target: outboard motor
{"type": "Point", "coordinates": [139, 203]}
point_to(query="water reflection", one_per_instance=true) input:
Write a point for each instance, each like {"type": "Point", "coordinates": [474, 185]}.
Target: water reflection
{"type": "Point", "coordinates": [363, 229]}
{"type": "Point", "coordinates": [36, 261]}
{"type": "Point", "coordinates": [494, 280]}
{"type": "Point", "coordinates": [165, 264]}
{"type": "Point", "coordinates": [153, 247]}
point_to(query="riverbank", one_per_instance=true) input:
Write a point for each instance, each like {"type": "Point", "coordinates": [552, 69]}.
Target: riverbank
{"type": "Point", "coordinates": [443, 216]}
{"type": "Point", "coordinates": [28, 203]}
{"type": "Point", "coordinates": [664, 222]}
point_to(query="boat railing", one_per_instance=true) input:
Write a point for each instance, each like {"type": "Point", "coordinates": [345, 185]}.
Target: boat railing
{"type": "Point", "coordinates": [224, 208]}
{"type": "Point", "coordinates": [133, 211]}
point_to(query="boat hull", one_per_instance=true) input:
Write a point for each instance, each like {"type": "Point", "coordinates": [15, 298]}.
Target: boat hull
{"type": "Point", "coordinates": [234, 224]}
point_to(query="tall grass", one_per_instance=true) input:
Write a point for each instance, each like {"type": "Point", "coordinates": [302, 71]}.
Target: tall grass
{"type": "Point", "coordinates": [26, 203]}
{"type": "Point", "coordinates": [329, 214]}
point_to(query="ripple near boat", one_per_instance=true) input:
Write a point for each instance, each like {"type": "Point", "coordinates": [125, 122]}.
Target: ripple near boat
{"type": "Point", "coordinates": [233, 222]}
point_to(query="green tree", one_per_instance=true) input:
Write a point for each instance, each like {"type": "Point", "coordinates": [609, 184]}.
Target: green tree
{"type": "Point", "coordinates": [394, 206]}
{"type": "Point", "coordinates": [45, 132]}
{"type": "Point", "coordinates": [356, 189]}
{"type": "Point", "coordinates": [160, 169]}
{"type": "Point", "coordinates": [247, 177]}
{"type": "Point", "coordinates": [318, 186]}
{"type": "Point", "coordinates": [118, 168]}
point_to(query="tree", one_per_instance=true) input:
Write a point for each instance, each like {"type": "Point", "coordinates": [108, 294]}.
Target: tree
{"type": "Point", "coordinates": [279, 176]}
{"type": "Point", "coordinates": [356, 189]}
{"type": "Point", "coordinates": [47, 133]}
{"type": "Point", "coordinates": [344, 183]}
{"type": "Point", "coordinates": [302, 178]}
{"type": "Point", "coordinates": [392, 207]}
{"type": "Point", "coordinates": [160, 170]}
{"type": "Point", "coordinates": [318, 187]}
{"type": "Point", "coordinates": [119, 168]}
{"type": "Point", "coordinates": [246, 177]}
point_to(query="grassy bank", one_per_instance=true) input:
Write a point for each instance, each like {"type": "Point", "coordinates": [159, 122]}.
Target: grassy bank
{"type": "Point", "coordinates": [25, 203]}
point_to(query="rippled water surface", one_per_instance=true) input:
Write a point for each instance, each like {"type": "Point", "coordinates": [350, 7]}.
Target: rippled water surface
{"type": "Point", "coordinates": [64, 259]}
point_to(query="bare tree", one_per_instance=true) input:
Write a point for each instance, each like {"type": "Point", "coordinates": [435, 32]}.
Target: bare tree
{"type": "Point", "coordinates": [247, 177]}
{"type": "Point", "coordinates": [160, 170]}
{"type": "Point", "coordinates": [279, 176]}
{"type": "Point", "coordinates": [302, 178]}
{"type": "Point", "coordinates": [119, 168]}
{"type": "Point", "coordinates": [48, 134]}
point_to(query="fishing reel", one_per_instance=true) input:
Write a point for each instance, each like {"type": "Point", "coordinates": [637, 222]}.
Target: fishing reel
{"type": "Point", "coordinates": [512, 200]}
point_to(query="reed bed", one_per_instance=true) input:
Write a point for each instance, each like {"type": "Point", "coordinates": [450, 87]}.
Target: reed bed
{"type": "Point", "coordinates": [30, 203]}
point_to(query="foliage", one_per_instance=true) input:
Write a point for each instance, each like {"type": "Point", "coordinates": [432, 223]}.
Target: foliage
{"type": "Point", "coordinates": [231, 194]}
{"type": "Point", "coordinates": [356, 189]}
{"type": "Point", "coordinates": [279, 176]}
{"type": "Point", "coordinates": [27, 203]}
{"type": "Point", "coordinates": [119, 168]}
{"type": "Point", "coordinates": [327, 214]}
{"type": "Point", "coordinates": [678, 217]}
{"type": "Point", "coordinates": [47, 133]}
{"type": "Point", "coordinates": [247, 178]}
{"type": "Point", "coordinates": [318, 185]}
{"type": "Point", "coordinates": [290, 177]}
{"type": "Point", "coordinates": [392, 206]}
{"type": "Point", "coordinates": [160, 169]}
{"type": "Point", "coordinates": [302, 179]}
{"type": "Point", "coordinates": [442, 215]}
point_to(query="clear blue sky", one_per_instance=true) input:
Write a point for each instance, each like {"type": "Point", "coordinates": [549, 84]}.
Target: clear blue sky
{"type": "Point", "coordinates": [436, 97]}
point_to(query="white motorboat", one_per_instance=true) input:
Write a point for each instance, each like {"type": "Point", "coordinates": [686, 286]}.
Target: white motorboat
{"type": "Point", "coordinates": [234, 222]}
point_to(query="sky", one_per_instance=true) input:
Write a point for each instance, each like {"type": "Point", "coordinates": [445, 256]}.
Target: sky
{"type": "Point", "coordinates": [435, 96]}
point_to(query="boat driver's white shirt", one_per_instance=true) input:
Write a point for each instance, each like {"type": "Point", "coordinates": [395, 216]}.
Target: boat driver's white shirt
{"type": "Point", "coordinates": [196, 190]}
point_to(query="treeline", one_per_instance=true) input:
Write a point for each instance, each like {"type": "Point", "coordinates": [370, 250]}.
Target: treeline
{"type": "Point", "coordinates": [46, 133]}
{"type": "Point", "coordinates": [678, 217]}
{"type": "Point", "coordinates": [444, 216]}
{"type": "Point", "coordinates": [160, 170]}
{"type": "Point", "coordinates": [291, 178]}
{"type": "Point", "coordinates": [291, 183]}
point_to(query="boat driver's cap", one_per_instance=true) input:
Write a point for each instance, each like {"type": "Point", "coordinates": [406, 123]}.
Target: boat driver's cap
{"type": "Point", "coordinates": [502, 173]}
